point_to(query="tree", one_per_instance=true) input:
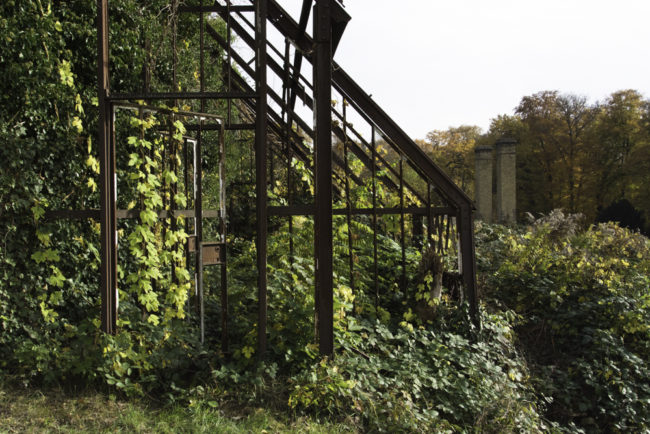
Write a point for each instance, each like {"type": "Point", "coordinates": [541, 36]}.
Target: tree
{"type": "Point", "coordinates": [554, 139]}
{"type": "Point", "coordinates": [453, 150]}
{"type": "Point", "coordinates": [618, 153]}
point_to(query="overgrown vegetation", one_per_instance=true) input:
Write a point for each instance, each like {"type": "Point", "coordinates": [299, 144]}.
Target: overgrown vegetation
{"type": "Point", "coordinates": [564, 344]}
{"type": "Point", "coordinates": [582, 300]}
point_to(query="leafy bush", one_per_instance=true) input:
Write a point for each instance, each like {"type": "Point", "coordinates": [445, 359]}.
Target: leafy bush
{"type": "Point", "coordinates": [414, 379]}
{"type": "Point", "coordinates": [583, 299]}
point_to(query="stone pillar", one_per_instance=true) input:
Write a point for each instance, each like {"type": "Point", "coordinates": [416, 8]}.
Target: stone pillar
{"type": "Point", "coordinates": [483, 182]}
{"type": "Point", "coordinates": [506, 181]}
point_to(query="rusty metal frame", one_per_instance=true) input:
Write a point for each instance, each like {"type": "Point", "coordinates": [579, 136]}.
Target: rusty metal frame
{"type": "Point", "coordinates": [109, 212]}
{"type": "Point", "coordinates": [362, 102]}
{"type": "Point", "coordinates": [329, 22]}
{"type": "Point", "coordinates": [323, 174]}
{"type": "Point", "coordinates": [261, 132]}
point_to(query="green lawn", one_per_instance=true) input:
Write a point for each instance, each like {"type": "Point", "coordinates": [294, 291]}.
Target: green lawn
{"type": "Point", "coordinates": [56, 411]}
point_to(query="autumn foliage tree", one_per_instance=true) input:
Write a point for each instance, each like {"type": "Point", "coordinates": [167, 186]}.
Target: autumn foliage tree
{"type": "Point", "coordinates": [453, 150]}
{"type": "Point", "coordinates": [571, 154]}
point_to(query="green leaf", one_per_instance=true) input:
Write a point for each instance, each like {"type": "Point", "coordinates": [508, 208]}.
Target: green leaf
{"type": "Point", "coordinates": [57, 278]}
{"type": "Point", "coordinates": [45, 256]}
{"type": "Point", "coordinates": [38, 212]}
{"type": "Point", "coordinates": [43, 237]}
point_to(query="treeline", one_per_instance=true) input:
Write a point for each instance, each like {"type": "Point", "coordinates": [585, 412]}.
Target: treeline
{"type": "Point", "coordinates": [591, 158]}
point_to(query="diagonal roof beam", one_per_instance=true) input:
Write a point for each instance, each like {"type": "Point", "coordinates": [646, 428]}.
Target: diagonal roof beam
{"type": "Point", "coordinates": [272, 114]}
{"type": "Point", "coordinates": [364, 104]}
{"type": "Point", "coordinates": [297, 62]}
{"type": "Point", "coordinates": [308, 101]}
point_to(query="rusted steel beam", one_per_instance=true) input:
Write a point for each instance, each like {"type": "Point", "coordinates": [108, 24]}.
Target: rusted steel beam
{"type": "Point", "coordinates": [223, 229]}
{"type": "Point", "coordinates": [260, 170]}
{"type": "Point", "coordinates": [308, 101]}
{"type": "Point", "coordinates": [228, 127]}
{"type": "Point", "coordinates": [73, 214]}
{"type": "Point", "coordinates": [165, 214]}
{"type": "Point", "coordinates": [297, 62]}
{"type": "Point", "coordinates": [198, 186]}
{"type": "Point", "coordinates": [107, 187]}
{"type": "Point", "coordinates": [323, 174]}
{"type": "Point", "coordinates": [348, 202]}
{"type": "Point", "coordinates": [402, 225]}
{"type": "Point", "coordinates": [216, 8]}
{"type": "Point", "coordinates": [308, 210]}
{"type": "Point", "coordinates": [181, 95]}
{"type": "Point", "coordinates": [468, 260]}
{"type": "Point", "coordinates": [198, 229]}
{"type": "Point", "coordinates": [277, 122]}
{"type": "Point", "coordinates": [374, 223]}
{"type": "Point", "coordinates": [184, 113]}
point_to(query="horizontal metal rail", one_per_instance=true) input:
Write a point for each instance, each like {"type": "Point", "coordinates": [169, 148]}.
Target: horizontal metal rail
{"type": "Point", "coordinates": [307, 210]}
{"type": "Point", "coordinates": [216, 8]}
{"type": "Point", "coordinates": [180, 95]}
{"type": "Point", "coordinates": [82, 214]}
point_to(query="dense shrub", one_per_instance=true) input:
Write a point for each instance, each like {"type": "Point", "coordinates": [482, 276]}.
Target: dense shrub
{"type": "Point", "coordinates": [414, 379]}
{"type": "Point", "coordinates": [583, 299]}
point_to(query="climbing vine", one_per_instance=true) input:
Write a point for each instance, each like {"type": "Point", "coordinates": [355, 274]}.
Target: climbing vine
{"type": "Point", "coordinates": [156, 246]}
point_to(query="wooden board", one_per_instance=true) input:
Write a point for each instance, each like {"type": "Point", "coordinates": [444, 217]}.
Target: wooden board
{"type": "Point", "coordinates": [213, 253]}
{"type": "Point", "coordinates": [191, 243]}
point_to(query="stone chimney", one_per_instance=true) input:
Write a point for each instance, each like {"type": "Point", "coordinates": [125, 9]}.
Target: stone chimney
{"type": "Point", "coordinates": [483, 182]}
{"type": "Point", "coordinates": [506, 169]}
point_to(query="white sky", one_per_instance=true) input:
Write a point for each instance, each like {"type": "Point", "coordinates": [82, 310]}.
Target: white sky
{"type": "Point", "coordinates": [434, 64]}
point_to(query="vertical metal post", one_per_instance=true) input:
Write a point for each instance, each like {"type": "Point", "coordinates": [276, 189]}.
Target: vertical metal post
{"type": "Point", "coordinates": [198, 180]}
{"type": "Point", "coordinates": [260, 170]}
{"type": "Point", "coordinates": [430, 225]}
{"type": "Point", "coordinates": [108, 222]}
{"type": "Point", "coordinates": [223, 229]}
{"type": "Point", "coordinates": [163, 187]}
{"type": "Point", "coordinates": [401, 220]}
{"type": "Point", "coordinates": [429, 239]}
{"type": "Point", "coordinates": [174, 13]}
{"type": "Point", "coordinates": [228, 57]}
{"type": "Point", "coordinates": [468, 260]}
{"type": "Point", "coordinates": [374, 219]}
{"type": "Point", "coordinates": [201, 56]}
{"type": "Point", "coordinates": [173, 188]}
{"type": "Point", "coordinates": [271, 167]}
{"type": "Point", "coordinates": [197, 215]}
{"type": "Point", "coordinates": [186, 180]}
{"type": "Point", "coordinates": [287, 132]}
{"type": "Point", "coordinates": [348, 199]}
{"type": "Point", "coordinates": [186, 183]}
{"type": "Point", "coordinates": [323, 174]}
{"type": "Point", "coordinates": [198, 226]}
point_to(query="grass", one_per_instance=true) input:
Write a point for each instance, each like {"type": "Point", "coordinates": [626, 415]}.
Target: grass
{"type": "Point", "coordinates": [88, 411]}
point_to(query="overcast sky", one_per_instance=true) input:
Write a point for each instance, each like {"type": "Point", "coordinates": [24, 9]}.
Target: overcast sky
{"type": "Point", "coordinates": [432, 64]}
